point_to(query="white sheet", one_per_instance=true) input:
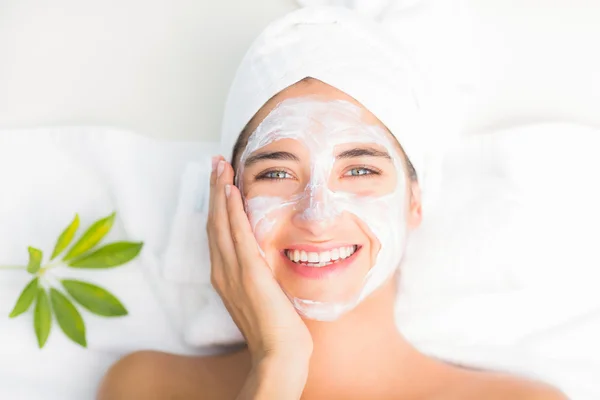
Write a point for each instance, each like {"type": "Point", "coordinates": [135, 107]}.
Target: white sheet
{"type": "Point", "coordinates": [479, 287]}
{"type": "Point", "coordinates": [47, 175]}
{"type": "Point", "coordinates": [505, 274]}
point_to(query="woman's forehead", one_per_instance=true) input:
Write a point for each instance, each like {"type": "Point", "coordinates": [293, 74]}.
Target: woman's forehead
{"type": "Point", "coordinates": [316, 90]}
{"type": "Point", "coordinates": [321, 123]}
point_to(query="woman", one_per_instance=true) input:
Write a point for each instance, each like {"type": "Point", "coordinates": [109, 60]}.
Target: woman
{"type": "Point", "coordinates": [307, 228]}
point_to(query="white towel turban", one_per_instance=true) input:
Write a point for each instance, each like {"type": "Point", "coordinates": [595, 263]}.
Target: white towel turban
{"type": "Point", "coordinates": [345, 50]}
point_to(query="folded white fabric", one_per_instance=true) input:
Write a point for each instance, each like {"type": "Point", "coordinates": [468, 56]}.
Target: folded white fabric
{"type": "Point", "coordinates": [439, 36]}
{"type": "Point", "coordinates": [186, 253]}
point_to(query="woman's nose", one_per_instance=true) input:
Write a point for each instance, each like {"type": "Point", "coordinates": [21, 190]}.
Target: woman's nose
{"type": "Point", "coordinates": [315, 211]}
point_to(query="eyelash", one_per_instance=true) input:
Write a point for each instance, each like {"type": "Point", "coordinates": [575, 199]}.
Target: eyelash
{"type": "Point", "coordinates": [264, 175]}
{"type": "Point", "coordinates": [370, 171]}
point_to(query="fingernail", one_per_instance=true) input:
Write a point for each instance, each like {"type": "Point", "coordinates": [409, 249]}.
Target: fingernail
{"type": "Point", "coordinates": [215, 160]}
{"type": "Point", "coordinates": [227, 190]}
{"type": "Point", "coordinates": [220, 168]}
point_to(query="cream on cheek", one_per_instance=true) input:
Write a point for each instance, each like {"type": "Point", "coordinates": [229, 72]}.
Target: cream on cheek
{"type": "Point", "coordinates": [323, 126]}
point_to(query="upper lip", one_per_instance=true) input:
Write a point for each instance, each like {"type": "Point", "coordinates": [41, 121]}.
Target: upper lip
{"type": "Point", "coordinates": [319, 247]}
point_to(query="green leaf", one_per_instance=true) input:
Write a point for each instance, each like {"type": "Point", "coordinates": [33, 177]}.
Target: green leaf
{"type": "Point", "coordinates": [91, 237]}
{"type": "Point", "coordinates": [96, 299]}
{"type": "Point", "coordinates": [111, 255]}
{"type": "Point", "coordinates": [65, 238]}
{"type": "Point", "coordinates": [68, 317]}
{"type": "Point", "coordinates": [35, 260]}
{"type": "Point", "coordinates": [26, 298]}
{"type": "Point", "coordinates": [42, 317]}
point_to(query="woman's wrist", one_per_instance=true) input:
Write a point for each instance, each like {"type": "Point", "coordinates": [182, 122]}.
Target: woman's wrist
{"type": "Point", "coordinates": [285, 362]}
{"type": "Point", "coordinates": [284, 374]}
{"type": "Point", "coordinates": [297, 353]}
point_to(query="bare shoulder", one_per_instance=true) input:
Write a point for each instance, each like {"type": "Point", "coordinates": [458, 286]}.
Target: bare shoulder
{"type": "Point", "coordinates": [152, 375]}
{"type": "Point", "coordinates": [496, 386]}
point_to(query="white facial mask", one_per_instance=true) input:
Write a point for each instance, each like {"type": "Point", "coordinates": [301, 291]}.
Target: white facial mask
{"type": "Point", "coordinates": [322, 127]}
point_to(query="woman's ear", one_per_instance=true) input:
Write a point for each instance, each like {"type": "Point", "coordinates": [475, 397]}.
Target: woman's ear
{"type": "Point", "coordinates": [415, 209]}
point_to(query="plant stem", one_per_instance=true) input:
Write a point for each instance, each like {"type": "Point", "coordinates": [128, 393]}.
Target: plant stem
{"type": "Point", "coordinates": [53, 265]}
{"type": "Point", "coordinates": [45, 268]}
{"type": "Point", "coordinates": [12, 267]}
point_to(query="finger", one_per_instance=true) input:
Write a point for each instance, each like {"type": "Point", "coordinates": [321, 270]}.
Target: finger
{"type": "Point", "coordinates": [214, 252]}
{"type": "Point", "coordinates": [254, 272]}
{"type": "Point", "coordinates": [215, 258]}
{"type": "Point", "coordinates": [242, 236]}
{"type": "Point", "coordinates": [220, 217]}
{"type": "Point", "coordinates": [213, 181]}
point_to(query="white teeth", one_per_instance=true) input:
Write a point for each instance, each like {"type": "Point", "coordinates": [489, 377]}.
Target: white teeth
{"type": "Point", "coordinates": [324, 257]}
{"type": "Point", "coordinates": [320, 259]}
{"type": "Point", "coordinates": [335, 254]}
{"type": "Point", "coordinates": [313, 257]}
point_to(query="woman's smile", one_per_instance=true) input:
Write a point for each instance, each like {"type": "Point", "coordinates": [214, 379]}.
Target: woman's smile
{"type": "Point", "coordinates": [315, 262]}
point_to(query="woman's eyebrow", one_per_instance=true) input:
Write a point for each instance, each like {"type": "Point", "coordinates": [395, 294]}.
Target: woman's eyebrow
{"type": "Point", "coordinates": [287, 156]}
{"type": "Point", "coordinates": [270, 155]}
{"type": "Point", "coordinates": [363, 152]}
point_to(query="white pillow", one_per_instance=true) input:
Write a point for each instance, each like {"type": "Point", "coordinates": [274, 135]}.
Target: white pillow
{"type": "Point", "coordinates": [519, 215]}
{"type": "Point", "coordinates": [505, 274]}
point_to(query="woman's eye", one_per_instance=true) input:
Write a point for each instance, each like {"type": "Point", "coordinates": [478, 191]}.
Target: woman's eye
{"type": "Point", "coordinates": [276, 175]}
{"type": "Point", "coordinates": [354, 172]}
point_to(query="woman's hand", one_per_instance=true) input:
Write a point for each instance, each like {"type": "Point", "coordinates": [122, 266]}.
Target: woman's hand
{"type": "Point", "coordinates": [273, 329]}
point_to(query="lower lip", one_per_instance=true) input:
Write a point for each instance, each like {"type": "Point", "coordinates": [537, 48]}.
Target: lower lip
{"type": "Point", "coordinates": [320, 272]}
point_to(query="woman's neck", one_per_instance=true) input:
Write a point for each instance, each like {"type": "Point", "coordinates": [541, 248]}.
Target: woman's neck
{"type": "Point", "coordinates": [363, 327]}
{"type": "Point", "coordinates": [363, 345]}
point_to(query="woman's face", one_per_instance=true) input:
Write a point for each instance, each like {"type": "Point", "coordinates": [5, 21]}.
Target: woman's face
{"type": "Point", "coordinates": [319, 251]}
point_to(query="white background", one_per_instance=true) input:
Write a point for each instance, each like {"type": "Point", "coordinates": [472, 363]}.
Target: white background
{"type": "Point", "coordinates": [157, 67]}
{"type": "Point", "coordinates": [162, 67]}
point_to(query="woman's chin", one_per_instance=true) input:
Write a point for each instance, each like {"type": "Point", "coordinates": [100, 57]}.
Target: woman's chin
{"type": "Point", "coordinates": [340, 289]}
